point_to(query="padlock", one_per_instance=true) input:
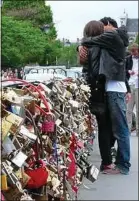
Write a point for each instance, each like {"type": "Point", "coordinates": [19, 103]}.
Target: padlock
{"type": "Point", "coordinates": [12, 97]}
{"type": "Point", "coordinates": [18, 110]}
{"type": "Point", "coordinates": [25, 179]}
{"type": "Point", "coordinates": [25, 131]}
{"type": "Point", "coordinates": [19, 92]}
{"type": "Point", "coordinates": [89, 171]}
{"type": "Point", "coordinates": [10, 123]}
{"type": "Point", "coordinates": [7, 146]}
{"type": "Point", "coordinates": [18, 158]}
{"type": "Point", "coordinates": [92, 173]}
{"type": "Point", "coordinates": [74, 105]}
{"type": "Point", "coordinates": [82, 128]}
{"type": "Point", "coordinates": [13, 194]}
{"type": "Point", "coordinates": [4, 185]}
{"type": "Point", "coordinates": [85, 88]}
{"type": "Point", "coordinates": [12, 178]}
{"type": "Point", "coordinates": [58, 122]}
{"type": "Point", "coordinates": [31, 107]}
{"type": "Point", "coordinates": [48, 124]}
{"type": "Point", "coordinates": [26, 197]}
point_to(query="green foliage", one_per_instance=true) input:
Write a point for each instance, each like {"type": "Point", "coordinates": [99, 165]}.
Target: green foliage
{"type": "Point", "coordinates": [22, 43]}
{"type": "Point", "coordinates": [68, 56]}
{"type": "Point", "coordinates": [137, 39]}
{"type": "Point", "coordinates": [32, 10]}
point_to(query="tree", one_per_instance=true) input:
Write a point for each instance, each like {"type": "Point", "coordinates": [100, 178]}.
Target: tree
{"type": "Point", "coordinates": [22, 43]}
{"type": "Point", "coordinates": [68, 56]}
{"type": "Point", "coordinates": [137, 39]}
{"type": "Point", "coordinates": [34, 11]}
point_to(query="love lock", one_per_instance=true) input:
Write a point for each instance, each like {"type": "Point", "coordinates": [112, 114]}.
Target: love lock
{"type": "Point", "coordinates": [10, 124]}
{"type": "Point", "coordinates": [74, 105]}
{"type": "Point", "coordinates": [12, 178]}
{"type": "Point", "coordinates": [25, 132]}
{"type": "Point", "coordinates": [48, 125]}
{"type": "Point", "coordinates": [89, 170]}
{"type": "Point", "coordinates": [18, 158]}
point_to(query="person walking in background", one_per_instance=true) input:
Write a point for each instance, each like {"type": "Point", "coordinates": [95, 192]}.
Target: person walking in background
{"type": "Point", "coordinates": [15, 73]}
{"type": "Point", "coordinates": [133, 81]}
{"type": "Point", "coordinates": [21, 74]}
{"type": "Point", "coordinates": [5, 75]}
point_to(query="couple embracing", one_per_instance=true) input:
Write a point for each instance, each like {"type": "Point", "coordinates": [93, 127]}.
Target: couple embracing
{"type": "Point", "coordinates": [102, 54]}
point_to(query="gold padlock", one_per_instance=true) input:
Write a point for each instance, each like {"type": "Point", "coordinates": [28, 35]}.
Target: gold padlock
{"type": "Point", "coordinates": [5, 128]}
{"type": "Point", "coordinates": [12, 97]}
{"type": "Point", "coordinates": [10, 123]}
{"type": "Point", "coordinates": [4, 185]}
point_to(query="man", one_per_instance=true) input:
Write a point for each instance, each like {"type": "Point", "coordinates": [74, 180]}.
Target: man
{"type": "Point", "coordinates": [112, 65]}
{"type": "Point", "coordinates": [132, 62]}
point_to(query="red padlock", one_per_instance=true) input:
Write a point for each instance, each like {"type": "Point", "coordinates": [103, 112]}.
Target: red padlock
{"type": "Point", "coordinates": [48, 127]}
{"type": "Point", "coordinates": [38, 176]}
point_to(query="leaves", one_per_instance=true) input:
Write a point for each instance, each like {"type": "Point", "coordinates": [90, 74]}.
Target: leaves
{"type": "Point", "coordinates": [68, 55]}
{"type": "Point", "coordinates": [34, 11]}
{"type": "Point", "coordinates": [21, 42]}
{"type": "Point", "coordinates": [137, 39]}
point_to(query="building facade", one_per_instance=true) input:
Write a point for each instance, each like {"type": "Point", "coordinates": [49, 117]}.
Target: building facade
{"type": "Point", "coordinates": [131, 24]}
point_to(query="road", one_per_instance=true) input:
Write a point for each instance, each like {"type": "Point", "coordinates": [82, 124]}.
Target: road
{"type": "Point", "coordinates": [113, 187]}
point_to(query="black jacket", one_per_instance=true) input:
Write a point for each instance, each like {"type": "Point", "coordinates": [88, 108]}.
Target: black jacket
{"type": "Point", "coordinates": [112, 56]}
{"type": "Point", "coordinates": [112, 60]}
{"type": "Point", "coordinates": [129, 65]}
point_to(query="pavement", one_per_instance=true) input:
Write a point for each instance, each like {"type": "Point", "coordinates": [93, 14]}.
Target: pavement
{"type": "Point", "coordinates": [113, 187]}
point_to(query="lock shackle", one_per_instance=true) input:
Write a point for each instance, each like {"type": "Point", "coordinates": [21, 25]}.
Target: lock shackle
{"type": "Point", "coordinates": [38, 135]}
{"type": "Point", "coordinates": [34, 87]}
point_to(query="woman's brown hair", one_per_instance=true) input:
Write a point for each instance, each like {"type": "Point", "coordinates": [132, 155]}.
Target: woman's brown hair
{"type": "Point", "coordinates": [93, 28]}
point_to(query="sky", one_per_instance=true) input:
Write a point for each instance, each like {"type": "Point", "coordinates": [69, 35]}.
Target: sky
{"type": "Point", "coordinates": [71, 16]}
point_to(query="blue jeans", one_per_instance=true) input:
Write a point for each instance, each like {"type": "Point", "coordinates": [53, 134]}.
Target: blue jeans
{"type": "Point", "coordinates": [117, 109]}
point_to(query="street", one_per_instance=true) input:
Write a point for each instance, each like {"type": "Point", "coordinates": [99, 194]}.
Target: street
{"type": "Point", "coordinates": [113, 187]}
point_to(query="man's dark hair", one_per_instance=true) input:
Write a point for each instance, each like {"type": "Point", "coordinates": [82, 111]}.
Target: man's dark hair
{"type": "Point", "coordinates": [109, 20]}
{"type": "Point", "coordinates": [93, 28]}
